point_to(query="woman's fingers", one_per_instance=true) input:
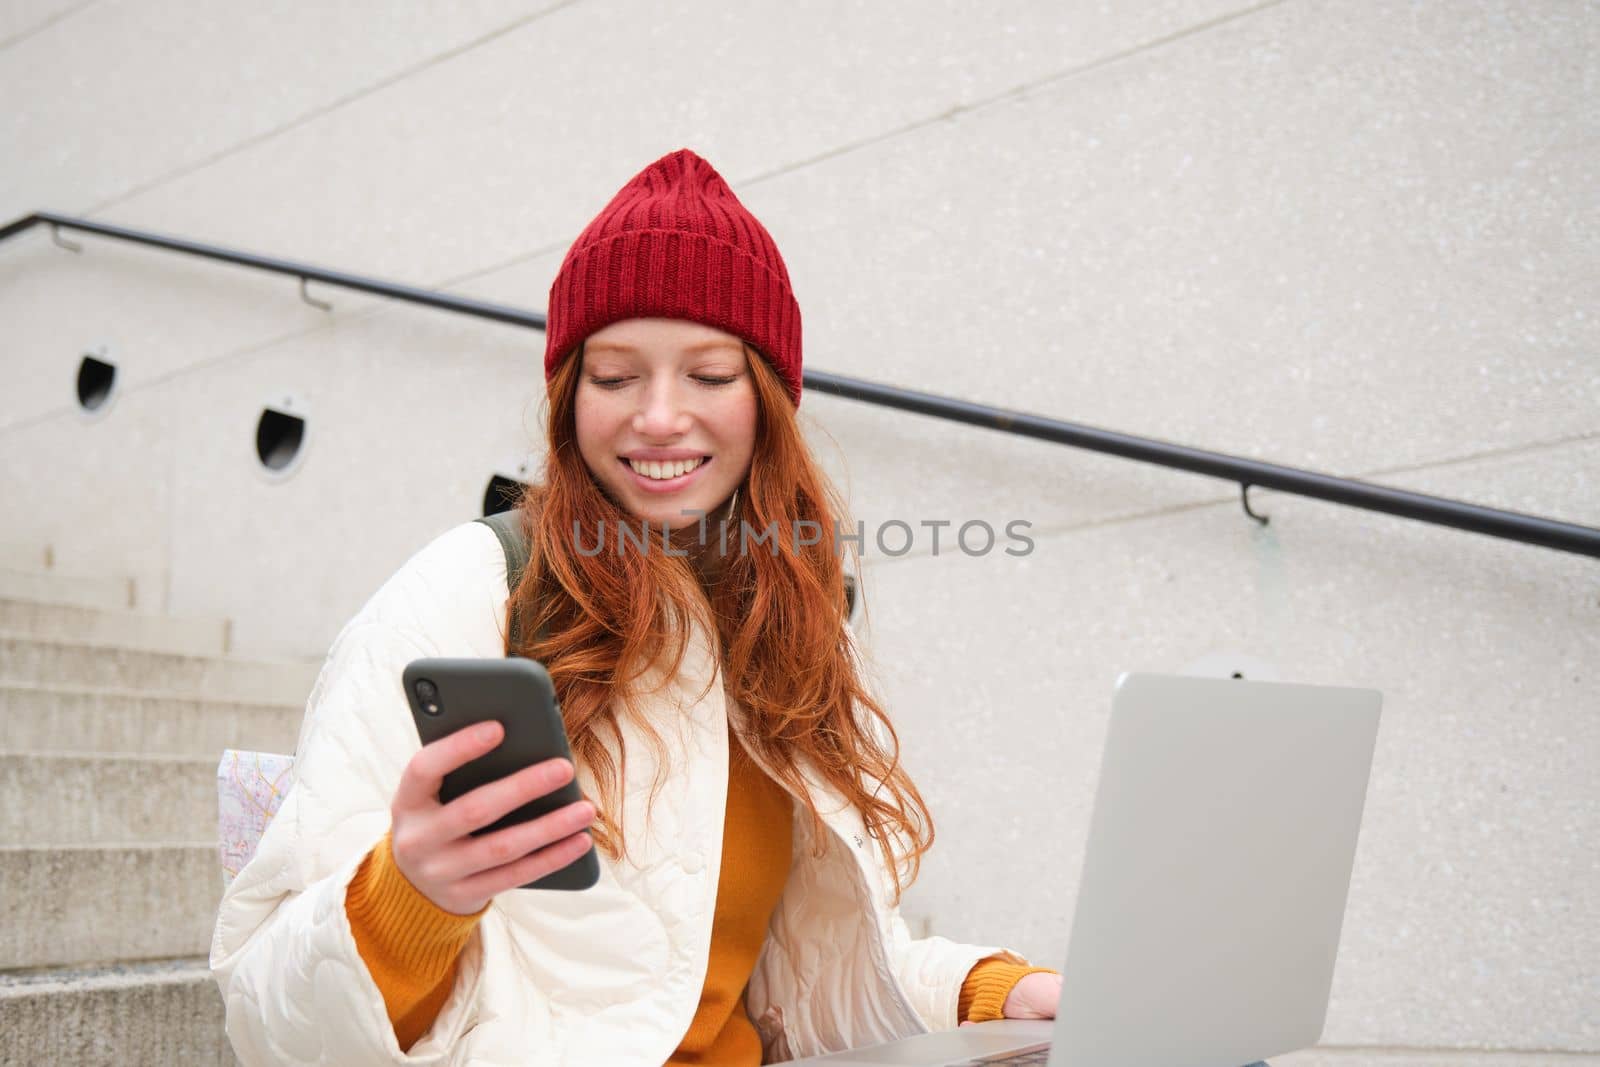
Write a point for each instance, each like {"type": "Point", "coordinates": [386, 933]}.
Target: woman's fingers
{"type": "Point", "coordinates": [529, 868]}
{"type": "Point", "coordinates": [424, 773]}
{"type": "Point", "coordinates": [487, 803]}
{"type": "Point", "coordinates": [473, 856]}
{"type": "Point", "coordinates": [433, 844]}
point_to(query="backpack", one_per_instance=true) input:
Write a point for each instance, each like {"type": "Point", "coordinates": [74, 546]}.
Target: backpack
{"type": "Point", "coordinates": [507, 526]}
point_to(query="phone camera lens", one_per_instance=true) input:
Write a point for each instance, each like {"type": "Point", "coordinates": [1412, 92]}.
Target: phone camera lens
{"type": "Point", "coordinates": [427, 696]}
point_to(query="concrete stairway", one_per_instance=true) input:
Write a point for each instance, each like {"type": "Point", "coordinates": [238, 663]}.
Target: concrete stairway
{"type": "Point", "coordinates": [111, 727]}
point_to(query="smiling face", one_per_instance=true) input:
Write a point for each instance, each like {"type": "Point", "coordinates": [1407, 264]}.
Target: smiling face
{"type": "Point", "coordinates": [665, 416]}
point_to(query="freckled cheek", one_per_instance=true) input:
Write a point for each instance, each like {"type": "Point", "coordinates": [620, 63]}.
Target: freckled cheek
{"type": "Point", "coordinates": [740, 422]}
{"type": "Point", "coordinates": [596, 431]}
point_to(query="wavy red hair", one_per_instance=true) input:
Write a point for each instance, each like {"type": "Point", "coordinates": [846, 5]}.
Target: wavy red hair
{"type": "Point", "coordinates": [600, 622]}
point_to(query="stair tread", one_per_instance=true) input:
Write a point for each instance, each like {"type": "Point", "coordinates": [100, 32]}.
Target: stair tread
{"type": "Point", "coordinates": [110, 974]}
{"type": "Point", "coordinates": [127, 613]}
{"type": "Point", "coordinates": [25, 637]}
{"type": "Point", "coordinates": [131, 846]}
{"type": "Point", "coordinates": [70, 689]}
{"type": "Point", "coordinates": [103, 757]}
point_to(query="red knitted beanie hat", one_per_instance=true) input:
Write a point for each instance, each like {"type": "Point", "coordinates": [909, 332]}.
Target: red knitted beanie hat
{"type": "Point", "coordinates": [676, 243]}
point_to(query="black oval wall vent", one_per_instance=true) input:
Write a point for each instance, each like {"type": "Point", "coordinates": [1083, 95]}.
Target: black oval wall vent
{"type": "Point", "coordinates": [96, 379]}
{"type": "Point", "coordinates": [279, 436]}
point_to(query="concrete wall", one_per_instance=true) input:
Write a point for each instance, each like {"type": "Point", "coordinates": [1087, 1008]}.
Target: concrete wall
{"type": "Point", "coordinates": [1357, 238]}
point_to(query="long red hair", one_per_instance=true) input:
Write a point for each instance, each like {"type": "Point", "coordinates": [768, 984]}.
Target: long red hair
{"type": "Point", "coordinates": [599, 622]}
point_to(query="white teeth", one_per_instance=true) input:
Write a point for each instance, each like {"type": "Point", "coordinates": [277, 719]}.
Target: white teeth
{"type": "Point", "coordinates": [661, 471]}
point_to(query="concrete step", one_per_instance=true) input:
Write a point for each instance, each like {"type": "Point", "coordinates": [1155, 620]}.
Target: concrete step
{"type": "Point", "coordinates": [26, 556]}
{"type": "Point", "coordinates": [66, 906]}
{"type": "Point", "coordinates": [49, 799]}
{"type": "Point", "coordinates": [166, 1012]}
{"type": "Point", "coordinates": [92, 592]}
{"type": "Point", "coordinates": [42, 661]}
{"type": "Point", "coordinates": [46, 718]}
{"type": "Point", "coordinates": [126, 629]}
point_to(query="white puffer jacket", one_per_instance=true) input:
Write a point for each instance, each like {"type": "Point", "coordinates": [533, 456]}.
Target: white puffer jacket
{"type": "Point", "coordinates": [608, 976]}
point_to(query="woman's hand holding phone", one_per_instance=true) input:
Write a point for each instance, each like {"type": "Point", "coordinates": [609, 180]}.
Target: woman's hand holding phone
{"type": "Point", "coordinates": [433, 843]}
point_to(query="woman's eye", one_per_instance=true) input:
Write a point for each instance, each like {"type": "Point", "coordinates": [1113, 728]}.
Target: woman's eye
{"type": "Point", "coordinates": [703, 379]}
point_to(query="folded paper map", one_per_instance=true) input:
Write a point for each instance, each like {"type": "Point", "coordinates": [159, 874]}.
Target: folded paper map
{"type": "Point", "coordinates": [250, 786]}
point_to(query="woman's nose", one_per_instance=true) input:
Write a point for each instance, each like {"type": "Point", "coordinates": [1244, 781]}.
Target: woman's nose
{"type": "Point", "coordinates": [664, 412]}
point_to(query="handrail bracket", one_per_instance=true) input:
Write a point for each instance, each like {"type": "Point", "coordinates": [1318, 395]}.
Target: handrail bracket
{"type": "Point", "coordinates": [1244, 498]}
{"type": "Point", "coordinates": [308, 298]}
{"type": "Point", "coordinates": [55, 235]}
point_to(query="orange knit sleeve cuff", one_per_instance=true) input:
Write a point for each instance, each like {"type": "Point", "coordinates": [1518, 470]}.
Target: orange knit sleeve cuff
{"type": "Point", "coordinates": [987, 985]}
{"type": "Point", "coordinates": [409, 944]}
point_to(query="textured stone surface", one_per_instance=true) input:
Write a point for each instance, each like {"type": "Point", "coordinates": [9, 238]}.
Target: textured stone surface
{"type": "Point", "coordinates": [166, 1013]}
{"type": "Point", "coordinates": [157, 633]}
{"type": "Point", "coordinates": [115, 121]}
{"type": "Point", "coordinates": [92, 904]}
{"type": "Point", "coordinates": [21, 18]}
{"type": "Point", "coordinates": [106, 800]}
{"type": "Point", "coordinates": [37, 718]}
{"type": "Point", "coordinates": [123, 462]}
{"type": "Point", "coordinates": [27, 660]}
{"type": "Point", "coordinates": [512, 146]}
{"type": "Point", "coordinates": [93, 591]}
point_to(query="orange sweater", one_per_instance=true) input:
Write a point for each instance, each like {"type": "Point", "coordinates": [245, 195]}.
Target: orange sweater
{"type": "Point", "coordinates": [411, 947]}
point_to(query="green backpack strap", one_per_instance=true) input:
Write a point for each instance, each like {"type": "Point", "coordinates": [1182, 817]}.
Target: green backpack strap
{"type": "Point", "coordinates": [507, 526]}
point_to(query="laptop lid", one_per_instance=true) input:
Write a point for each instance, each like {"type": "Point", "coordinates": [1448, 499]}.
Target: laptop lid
{"type": "Point", "coordinates": [1216, 871]}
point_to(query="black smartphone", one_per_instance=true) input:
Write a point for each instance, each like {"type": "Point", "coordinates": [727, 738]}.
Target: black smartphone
{"type": "Point", "coordinates": [447, 695]}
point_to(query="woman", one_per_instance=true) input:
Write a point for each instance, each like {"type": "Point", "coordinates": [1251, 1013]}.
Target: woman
{"type": "Point", "coordinates": [754, 825]}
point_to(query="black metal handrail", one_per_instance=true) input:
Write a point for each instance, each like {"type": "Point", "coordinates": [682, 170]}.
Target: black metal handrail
{"type": "Point", "coordinates": [305, 272]}
{"type": "Point", "coordinates": [1495, 522]}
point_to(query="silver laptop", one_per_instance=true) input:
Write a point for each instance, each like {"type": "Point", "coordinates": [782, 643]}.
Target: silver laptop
{"type": "Point", "coordinates": [1213, 889]}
